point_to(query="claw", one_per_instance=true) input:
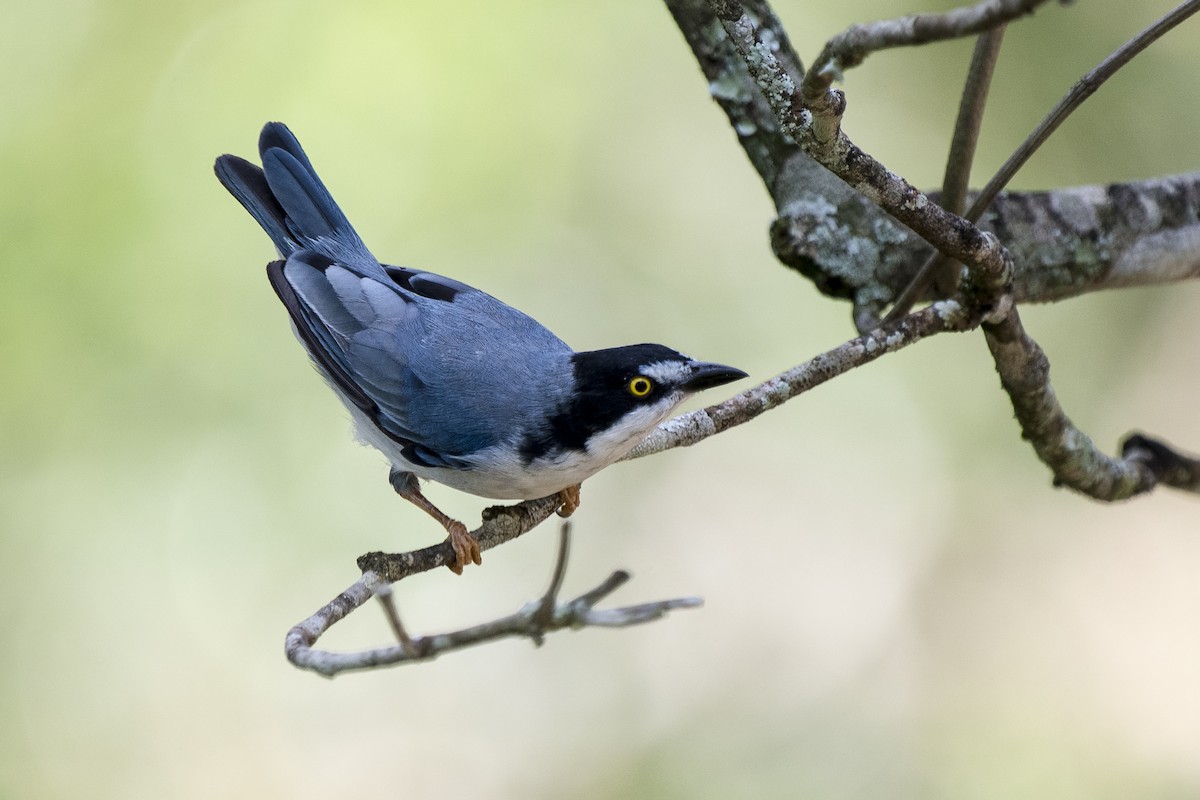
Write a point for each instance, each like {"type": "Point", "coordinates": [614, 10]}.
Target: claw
{"type": "Point", "coordinates": [569, 499]}
{"type": "Point", "coordinates": [466, 548]}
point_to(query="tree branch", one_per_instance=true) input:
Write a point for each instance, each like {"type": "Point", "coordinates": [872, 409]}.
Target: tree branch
{"type": "Point", "coordinates": [1075, 460]}
{"type": "Point", "coordinates": [500, 524]}
{"type": "Point", "coordinates": [850, 250]}
{"type": "Point", "coordinates": [816, 128]}
{"type": "Point", "coordinates": [695, 427]}
{"type": "Point", "coordinates": [813, 122]}
{"type": "Point", "coordinates": [533, 621]}
{"type": "Point", "coordinates": [730, 85]}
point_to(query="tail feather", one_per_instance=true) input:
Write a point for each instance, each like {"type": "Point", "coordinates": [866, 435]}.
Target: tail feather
{"type": "Point", "coordinates": [287, 198]}
{"type": "Point", "coordinates": [246, 182]}
{"type": "Point", "coordinates": [277, 136]}
{"type": "Point", "coordinates": [311, 211]}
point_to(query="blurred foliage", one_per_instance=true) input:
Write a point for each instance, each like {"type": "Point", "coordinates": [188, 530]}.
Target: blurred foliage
{"type": "Point", "coordinates": [899, 604]}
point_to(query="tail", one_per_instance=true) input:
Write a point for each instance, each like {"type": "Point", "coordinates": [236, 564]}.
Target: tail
{"type": "Point", "coordinates": [286, 197]}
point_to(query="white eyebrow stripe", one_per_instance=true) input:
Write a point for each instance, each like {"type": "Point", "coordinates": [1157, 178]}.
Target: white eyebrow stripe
{"type": "Point", "coordinates": [667, 371]}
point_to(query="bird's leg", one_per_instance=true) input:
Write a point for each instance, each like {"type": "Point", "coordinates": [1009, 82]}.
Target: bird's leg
{"type": "Point", "coordinates": [466, 548]}
{"type": "Point", "coordinates": [569, 498]}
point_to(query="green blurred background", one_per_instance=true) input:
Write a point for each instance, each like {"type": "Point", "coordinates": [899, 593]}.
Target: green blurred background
{"type": "Point", "coordinates": [898, 603]}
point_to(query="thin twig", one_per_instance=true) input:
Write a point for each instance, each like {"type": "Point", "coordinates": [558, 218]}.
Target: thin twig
{"type": "Point", "coordinates": [388, 600]}
{"type": "Point", "coordinates": [851, 47]}
{"type": "Point", "coordinates": [937, 268]}
{"type": "Point", "coordinates": [545, 612]}
{"type": "Point", "coordinates": [1081, 91]}
{"type": "Point", "coordinates": [969, 122]}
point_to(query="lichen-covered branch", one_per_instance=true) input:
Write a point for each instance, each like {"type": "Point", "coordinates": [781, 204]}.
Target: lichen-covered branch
{"type": "Point", "coordinates": [730, 85]}
{"type": "Point", "coordinates": [1065, 243]}
{"type": "Point", "coordinates": [816, 128]}
{"type": "Point", "coordinates": [1075, 460]}
{"type": "Point", "coordinates": [850, 249]}
{"type": "Point", "coordinates": [814, 123]}
{"type": "Point", "coordinates": [1071, 241]}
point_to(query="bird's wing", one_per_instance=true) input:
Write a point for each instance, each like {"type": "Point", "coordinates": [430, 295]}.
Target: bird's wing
{"type": "Point", "coordinates": [359, 330]}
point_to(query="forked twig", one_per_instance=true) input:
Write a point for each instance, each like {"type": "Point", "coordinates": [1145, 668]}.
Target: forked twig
{"type": "Point", "coordinates": [533, 620]}
{"type": "Point", "coordinates": [816, 128]}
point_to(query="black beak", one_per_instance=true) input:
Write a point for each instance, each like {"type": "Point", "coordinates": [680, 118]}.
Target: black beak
{"type": "Point", "coordinates": [706, 376]}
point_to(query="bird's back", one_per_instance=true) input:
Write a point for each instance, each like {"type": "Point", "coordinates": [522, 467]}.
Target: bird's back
{"type": "Point", "coordinates": [476, 369]}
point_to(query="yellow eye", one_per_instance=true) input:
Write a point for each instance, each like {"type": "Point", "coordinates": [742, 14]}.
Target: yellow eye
{"type": "Point", "coordinates": [640, 386]}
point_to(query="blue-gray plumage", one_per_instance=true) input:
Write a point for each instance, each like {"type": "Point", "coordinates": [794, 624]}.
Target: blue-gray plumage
{"type": "Point", "coordinates": [448, 382]}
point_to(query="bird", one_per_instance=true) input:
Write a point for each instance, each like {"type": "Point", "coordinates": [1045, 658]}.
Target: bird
{"type": "Point", "coordinates": [449, 383]}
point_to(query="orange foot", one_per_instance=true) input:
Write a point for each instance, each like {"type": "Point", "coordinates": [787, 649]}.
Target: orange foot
{"type": "Point", "coordinates": [569, 497]}
{"type": "Point", "coordinates": [466, 548]}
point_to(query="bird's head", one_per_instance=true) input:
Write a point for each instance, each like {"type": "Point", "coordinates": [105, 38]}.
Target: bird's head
{"type": "Point", "coordinates": [620, 394]}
